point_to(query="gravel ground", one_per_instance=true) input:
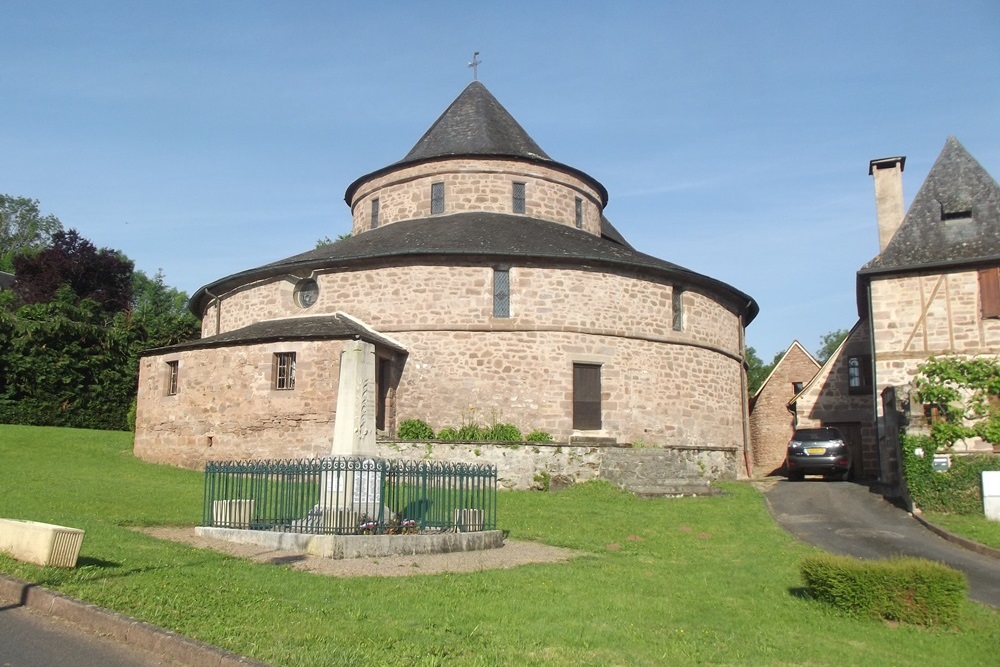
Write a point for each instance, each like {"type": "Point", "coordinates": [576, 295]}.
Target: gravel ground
{"type": "Point", "coordinates": [512, 554]}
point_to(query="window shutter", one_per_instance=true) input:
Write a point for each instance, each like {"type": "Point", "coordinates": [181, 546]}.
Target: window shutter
{"type": "Point", "coordinates": [586, 397]}
{"type": "Point", "coordinates": [989, 292]}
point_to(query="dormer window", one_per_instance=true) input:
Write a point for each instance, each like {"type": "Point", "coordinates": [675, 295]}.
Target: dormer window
{"type": "Point", "coordinates": [956, 215]}
{"type": "Point", "coordinates": [518, 196]}
{"type": "Point", "coordinates": [437, 198]}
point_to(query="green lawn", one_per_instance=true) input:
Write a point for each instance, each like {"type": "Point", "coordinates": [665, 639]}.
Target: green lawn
{"type": "Point", "coordinates": [702, 581]}
{"type": "Point", "coordinates": [976, 527]}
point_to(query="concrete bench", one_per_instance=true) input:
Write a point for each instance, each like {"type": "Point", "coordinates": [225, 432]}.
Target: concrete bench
{"type": "Point", "coordinates": [43, 544]}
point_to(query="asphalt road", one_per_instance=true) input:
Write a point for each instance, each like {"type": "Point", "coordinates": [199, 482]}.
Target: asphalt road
{"type": "Point", "coordinates": [30, 640]}
{"type": "Point", "coordinates": [847, 518]}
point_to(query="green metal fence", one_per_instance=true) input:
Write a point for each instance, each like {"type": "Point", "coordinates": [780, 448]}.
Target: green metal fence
{"type": "Point", "coordinates": [350, 496]}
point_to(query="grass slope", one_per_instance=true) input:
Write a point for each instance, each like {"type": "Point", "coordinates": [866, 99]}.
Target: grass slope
{"type": "Point", "coordinates": [701, 581]}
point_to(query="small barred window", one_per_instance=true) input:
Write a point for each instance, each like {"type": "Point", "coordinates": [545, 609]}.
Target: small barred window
{"type": "Point", "coordinates": [172, 370]}
{"type": "Point", "coordinates": [283, 370]}
{"type": "Point", "coordinates": [375, 213]}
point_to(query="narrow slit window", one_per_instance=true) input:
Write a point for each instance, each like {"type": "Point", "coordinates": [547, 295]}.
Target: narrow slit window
{"type": "Point", "coordinates": [518, 198]}
{"type": "Point", "coordinates": [501, 293]}
{"type": "Point", "coordinates": [375, 213]}
{"type": "Point", "coordinates": [677, 306]}
{"type": "Point", "coordinates": [579, 213]}
{"type": "Point", "coordinates": [587, 397]}
{"type": "Point", "coordinates": [437, 198]}
{"type": "Point", "coordinates": [172, 370]}
{"type": "Point", "coordinates": [859, 374]}
{"type": "Point", "coordinates": [284, 371]}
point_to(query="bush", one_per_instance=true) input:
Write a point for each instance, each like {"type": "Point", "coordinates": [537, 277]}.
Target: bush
{"type": "Point", "coordinates": [502, 432]}
{"type": "Point", "coordinates": [954, 491]}
{"type": "Point", "coordinates": [448, 433]}
{"type": "Point", "coordinates": [414, 429]}
{"type": "Point", "coordinates": [908, 590]}
{"type": "Point", "coordinates": [472, 432]}
{"type": "Point", "coordinates": [539, 436]}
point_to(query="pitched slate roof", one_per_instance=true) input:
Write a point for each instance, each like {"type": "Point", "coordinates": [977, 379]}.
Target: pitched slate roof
{"type": "Point", "coordinates": [324, 327]}
{"type": "Point", "coordinates": [477, 237]}
{"type": "Point", "coordinates": [934, 233]}
{"type": "Point", "coordinates": [475, 125]}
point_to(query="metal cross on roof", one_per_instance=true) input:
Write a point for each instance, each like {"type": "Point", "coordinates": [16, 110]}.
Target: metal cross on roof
{"type": "Point", "coordinates": [475, 66]}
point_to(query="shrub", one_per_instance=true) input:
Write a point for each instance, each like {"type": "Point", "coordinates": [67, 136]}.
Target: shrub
{"type": "Point", "coordinates": [539, 436]}
{"type": "Point", "coordinates": [414, 429]}
{"type": "Point", "coordinates": [502, 432]}
{"type": "Point", "coordinates": [471, 432]}
{"type": "Point", "coordinates": [448, 433]}
{"type": "Point", "coordinates": [954, 491]}
{"type": "Point", "coordinates": [908, 590]}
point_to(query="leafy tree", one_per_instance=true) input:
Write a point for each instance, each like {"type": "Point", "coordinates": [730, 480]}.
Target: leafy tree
{"type": "Point", "coordinates": [104, 276]}
{"type": "Point", "coordinates": [162, 311]}
{"type": "Point", "coordinates": [23, 228]}
{"type": "Point", "coordinates": [72, 331]}
{"type": "Point", "coordinates": [757, 371]}
{"type": "Point", "coordinates": [829, 343]}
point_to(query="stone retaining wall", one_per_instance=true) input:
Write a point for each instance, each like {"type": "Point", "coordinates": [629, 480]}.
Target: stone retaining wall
{"type": "Point", "coordinates": [646, 471]}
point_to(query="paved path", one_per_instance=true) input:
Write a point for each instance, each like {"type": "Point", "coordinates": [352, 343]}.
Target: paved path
{"type": "Point", "coordinates": [847, 518]}
{"type": "Point", "coordinates": [30, 640]}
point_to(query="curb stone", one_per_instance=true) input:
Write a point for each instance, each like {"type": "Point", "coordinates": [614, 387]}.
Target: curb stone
{"type": "Point", "coordinates": [958, 539]}
{"type": "Point", "coordinates": [119, 627]}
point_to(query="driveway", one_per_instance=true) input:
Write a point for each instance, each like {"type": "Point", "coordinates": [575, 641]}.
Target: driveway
{"type": "Point", "coordinates": [847, 518]}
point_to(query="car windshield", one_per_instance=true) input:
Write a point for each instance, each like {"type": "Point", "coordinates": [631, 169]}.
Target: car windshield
{"type": "Point", "coordinates": [816, 434]}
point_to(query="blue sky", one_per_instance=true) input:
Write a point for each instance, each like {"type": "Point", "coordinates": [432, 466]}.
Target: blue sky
{"type": "Point", "coordinates": [206, 138]}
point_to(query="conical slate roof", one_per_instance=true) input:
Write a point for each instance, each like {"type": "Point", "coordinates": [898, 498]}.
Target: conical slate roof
{"type": "Point", "coordinates": [953, 220]}
{"type": "Point", "coordinates": [475, 124]}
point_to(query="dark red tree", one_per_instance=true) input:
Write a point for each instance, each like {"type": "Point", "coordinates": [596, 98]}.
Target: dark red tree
{"type": "Point", "coordinates": [104, 275]}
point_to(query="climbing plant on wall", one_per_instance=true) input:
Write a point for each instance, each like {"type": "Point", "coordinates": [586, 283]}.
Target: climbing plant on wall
{"type": "Point", "coordinates": [963, 399]}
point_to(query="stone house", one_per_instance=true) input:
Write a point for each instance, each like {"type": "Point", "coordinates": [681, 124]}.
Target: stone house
{"type": "Point", "coordinates": [771, 421]}
{"type": "Point", "coordinates": [933, 290]}
{"type": "Point", "coordinates": [491, 285]}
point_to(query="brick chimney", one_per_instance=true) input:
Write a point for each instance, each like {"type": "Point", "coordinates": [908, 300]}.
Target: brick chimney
{"type": "Point", "coordinates": [888, 173]}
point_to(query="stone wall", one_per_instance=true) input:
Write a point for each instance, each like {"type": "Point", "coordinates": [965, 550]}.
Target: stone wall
{"type": "Point", "coordinates": [460, 298]}
{"type": "Point", "coordinates": [916, 317]}
{"type": "Point", "coordinates": [477, 185]}
{"type": "Point", "coordinates": [647, 471]}
{"type": "Point", "coordinates": [827, 401]}
{"type": "Point", "coordinates": [659, 386]}
{"type": "Point", "coordinates": [652, 392]}
{"type": "Point", "coordinates": [771, 423]}
{"type": "Point", "coordinates": [226, 409]}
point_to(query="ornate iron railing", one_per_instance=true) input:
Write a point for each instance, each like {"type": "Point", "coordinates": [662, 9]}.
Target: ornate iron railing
{"type": "Point", "coordinates": [350, 496]}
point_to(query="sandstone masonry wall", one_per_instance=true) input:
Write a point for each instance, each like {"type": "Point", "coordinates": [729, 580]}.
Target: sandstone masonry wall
{"type": "Point", "coordinates": [916, 317]}
{"type": "Point", "coordinates": [653, 393]}
{"type": "Point", "coordinates": [459, 298]}
{"type": "Point", "coordinates": [771, 424]}
{"type": "Point", "coordinates": [225, 407]}
{"type": "Point", "coordinates": [477, 185]}
{"type": "Point", "coordinates": [827, 401]}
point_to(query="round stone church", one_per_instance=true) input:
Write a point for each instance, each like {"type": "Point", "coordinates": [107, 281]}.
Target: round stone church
{"type": "Point", "coordinates": [491, 286]}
